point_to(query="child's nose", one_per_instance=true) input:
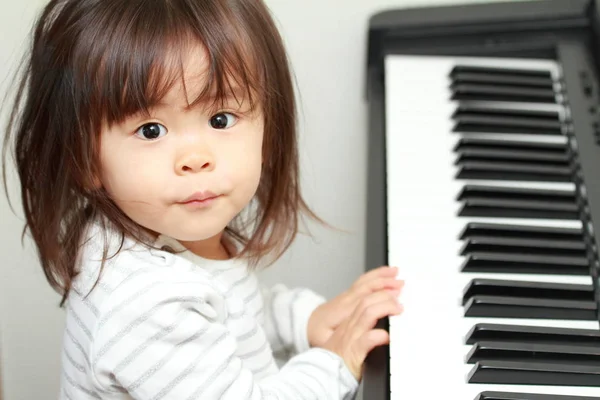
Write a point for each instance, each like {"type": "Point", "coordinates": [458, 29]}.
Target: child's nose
{"type": "Point", "coordinates": [195, 161]}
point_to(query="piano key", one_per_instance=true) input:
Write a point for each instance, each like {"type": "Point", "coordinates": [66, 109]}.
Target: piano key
{"type": "Point", "coordinates": [524, 307]}
{"type": "Point", "coordinates": [469, 148]}
{"type": "Point", "coordinates": [546, 392]}
{"type": "Point", "coordinates": [513, 137]}
{"type": "Point", "coordinates": [511, 170]}
{"type": "Point", "coordinates": [480, 69]}
{"type": "Point", "coordinates": [500, 79]}
{"type": "Point", "coordinates": [525, 264]}
{"type": "Point", "coordinates": [515, 372]}
{"type": "Point", "coordinates": [506, 121]}
{"type": "Point", "coordinates": [568, 189]}
{"type": "Point", "coordinates": [517, 202]}
{"type": "Point", "coordinates": [464, 278]}
{"type": "Point", "coordinates": [508, 192]}
{"type": "Point", "coordinates": [499, 244]}
{"type": "Point", "coordinates": [563, 353]}
{"type": "Point", "coordinates": [489, 395]}
{"type": "Point", "coordinates": [483, 108]}
{"type": "Point", "coordinates": [503, 208]}
{"type": "Point", "coordinates": [536, 334]}
{"type": "Point", "coordinates": [530, 222]}
{"type": "Point", "coordinates": [514, 156]}
{"type": "Point", "coordinates": [529, 289]}
{"type": "Point", "coordinates": [489, 92]}
{"type": "Point", "coordinates": [474, 229]}
{"type": "Point", "coordinates": [506, 124]}
{"type": "Point", "coordinates": [422, 214]}
{"type": "Point", "coordinates": [466, 325]}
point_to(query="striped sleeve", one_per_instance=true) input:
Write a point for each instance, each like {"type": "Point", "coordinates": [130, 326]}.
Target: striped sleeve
{"type": "Point", "coordinates": [286, 316]}
{"type": "Point", "coordinates": [162, 339]}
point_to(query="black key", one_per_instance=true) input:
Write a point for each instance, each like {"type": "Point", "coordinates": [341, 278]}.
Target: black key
{"type": "Point", "coordinates": [490, 92]}
{"type": "Point", "coordinates": [513, 171]}
{"type": "Point", "coordinates": [511, 202]}
{"type": "Point", "coordinates": [536, 334]}
{"type": "Point", "coordinates": [524, 307]}
{"type": "Point", "coordinates": [504, 208]}
{"type": "Point", "coordinates": [495, 244]}
{"type": "Point", "coordinates": [525, 289]}
{"type": "Point", "coordinates": [536, 73]}
{"type": "Point", "coordinates": [475, 229]}
{"type": "Point", "coordinates": [501, 110]}
{"type": "Point", "coordinates": [534, 352]}
{"type": "Point", "coordinates": [490, 149]}
{"type": "Point", "coordinates": [489, 395]}
{"type": "Point", "coordinates": [493, 120]}
{"type": "Point", "coordinates": [525, 264]}
{"type": "Point", "coordinates": [529, 373]}
{"type": "Point", "coordinates": [501, 79]}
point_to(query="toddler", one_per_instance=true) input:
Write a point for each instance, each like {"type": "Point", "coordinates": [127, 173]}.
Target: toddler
{"type": "Point", "coordinates": [155, 142]}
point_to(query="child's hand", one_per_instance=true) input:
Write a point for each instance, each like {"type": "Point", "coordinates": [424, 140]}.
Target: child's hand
{"type": "Point", "coordinates": [355, 337]}
{"type": "Point", "coordinates": [328, 316]}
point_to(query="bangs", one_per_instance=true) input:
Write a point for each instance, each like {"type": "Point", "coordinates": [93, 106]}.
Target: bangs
{"type": "Point", "coordinates": [133, 64]}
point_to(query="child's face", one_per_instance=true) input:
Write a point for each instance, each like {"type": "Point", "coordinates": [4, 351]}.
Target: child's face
{"type": "Point", "coordinates": [193, 152]}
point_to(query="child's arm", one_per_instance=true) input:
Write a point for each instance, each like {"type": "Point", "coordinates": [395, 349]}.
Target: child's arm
{"type": "Point", "coordinates": [286, 316]}
{"type": "Point", "coordinates": [162, 338]}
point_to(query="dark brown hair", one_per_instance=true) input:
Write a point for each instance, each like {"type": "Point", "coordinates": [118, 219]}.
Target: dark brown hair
{"type": "Point", "coordinates": [95, 62]}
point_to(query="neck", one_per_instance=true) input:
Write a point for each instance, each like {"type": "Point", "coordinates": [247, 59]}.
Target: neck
{"type": "Point", "coordinates": [212, 248]}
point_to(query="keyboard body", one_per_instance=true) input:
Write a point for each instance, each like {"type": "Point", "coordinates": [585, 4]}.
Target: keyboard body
{"type": "Point", "coordinates": [484, 166]}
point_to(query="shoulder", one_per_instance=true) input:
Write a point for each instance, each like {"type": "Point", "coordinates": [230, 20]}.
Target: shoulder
{"type": "Point", "coordinates": [121, 265]}
{"type": "Point", "coordinates": [134, 281]}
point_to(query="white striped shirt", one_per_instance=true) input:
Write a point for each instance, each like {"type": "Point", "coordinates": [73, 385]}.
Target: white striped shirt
{"type": "Point", "coordinates": [176, 326]}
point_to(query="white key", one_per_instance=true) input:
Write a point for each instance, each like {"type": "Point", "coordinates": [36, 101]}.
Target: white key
{"type": "Point", "coordinates": [466, 277]}
{"type": "Point", "coordinates": [427, 348]}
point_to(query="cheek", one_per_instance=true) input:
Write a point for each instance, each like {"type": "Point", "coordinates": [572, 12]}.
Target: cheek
{"type": "Point", "coordinates": [127, 175]}
{"type": "Point", "coordinates": [244, 167]}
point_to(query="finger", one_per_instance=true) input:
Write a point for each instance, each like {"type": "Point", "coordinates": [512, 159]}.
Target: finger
{"type": "Point", "coordinates": [367, 342]}
{"type": "Point", "coordinates": [377, 311]}
{"type": "Point", "coordinates": [378, 284]}
{"type": "Point", "coordinates": [371, 309]}
{"type": "Point", "coordinates": [371, 299]}
{"type": "Point", "coordinates": [384, 271]}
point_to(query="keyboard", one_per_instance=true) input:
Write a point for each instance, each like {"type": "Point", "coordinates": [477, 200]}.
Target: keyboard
{"type": "Point", "coordinates": [485, 182]}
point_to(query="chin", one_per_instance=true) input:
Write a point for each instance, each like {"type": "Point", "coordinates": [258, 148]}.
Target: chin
{"type": "Point", "coordinates": [194, 235]}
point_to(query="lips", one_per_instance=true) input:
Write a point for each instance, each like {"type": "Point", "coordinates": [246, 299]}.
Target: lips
{"type": "Point", "coordinates": [200, 197]}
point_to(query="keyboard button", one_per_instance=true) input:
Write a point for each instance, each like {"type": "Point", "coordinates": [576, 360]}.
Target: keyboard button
{"type": "Point", "coordinates": [513, 171]}
{"type": "Point", "coordinates": [494, 244]}
{"type": "Point", "coordinates": [511, 202]}
{"type": "Point", "coordinates": [525, 307]}
{"type": "Point", "coordinates": [533, 352]}
{"type": "Point", "coordinates": [469, 148]}
{"type": "Point", "coordinates": [522, 289]}
{"type": "Point", "coordinates": [521, 231]}
{"type": "Point", "coordinates": [489, 395]}
{"type": "Point", "coordinates": [514, 372]}
{"type": "Point", "coordinates": [494, 120]}
{"type": "Point", "coordinates": [525, 264]}
{"type": "Point", "coordinates": [535, 334]}
{"type": "Point", "coordinates": [490, 92]}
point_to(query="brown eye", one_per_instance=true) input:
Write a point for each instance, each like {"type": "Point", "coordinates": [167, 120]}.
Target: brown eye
{"type": "Point", "coordinates": [222, 121]}
{"type": "Point", "coordinates": [151, 131]}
